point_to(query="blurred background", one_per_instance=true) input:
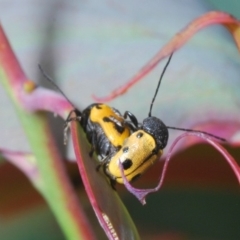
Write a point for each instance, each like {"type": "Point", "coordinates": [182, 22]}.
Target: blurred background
{"type": "Point", "coordinates": [92, 47]}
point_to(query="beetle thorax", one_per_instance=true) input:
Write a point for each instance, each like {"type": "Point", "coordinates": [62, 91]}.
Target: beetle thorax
{"type": "Point", "coordinates": [155, 127]}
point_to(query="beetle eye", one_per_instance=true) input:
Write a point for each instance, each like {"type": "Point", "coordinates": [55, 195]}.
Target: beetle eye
{"type": "Point", "coordinates": [139, 135]}
{"type": "Point", "coordinates": [127, 164]}
{"type": "Point", "coordinates": [125, 150]}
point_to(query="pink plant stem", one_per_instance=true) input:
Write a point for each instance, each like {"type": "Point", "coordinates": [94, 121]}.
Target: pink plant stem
{"type": "Point", "coordinates": [208, 19]}
{"type": "Point", "coordinates": [141, 194]}
{"type": "Point", "coordinates": [53, 176]}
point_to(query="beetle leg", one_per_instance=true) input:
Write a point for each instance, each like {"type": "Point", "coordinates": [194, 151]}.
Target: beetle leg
{"type": "Point", "coordinates": [113, 184]}
{"type": "Point", "coordinates": [93, 143]}
{"type": "Point", "coordinates": [91, 152]}
{"type": "Point", "coordinates": [132, 118]}
{"type": "Point", "coordinates": [104, 165]}
{"type": "Point", "coordinates": [110, 177]}
{"type": "Point", "coordinates": [66, 127]}
{"type": "Point", "coordinates": [66, 124]}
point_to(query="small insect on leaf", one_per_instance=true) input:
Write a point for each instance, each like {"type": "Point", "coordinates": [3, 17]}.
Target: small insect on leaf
{"type": "Point", "coordinates": [144, 146]}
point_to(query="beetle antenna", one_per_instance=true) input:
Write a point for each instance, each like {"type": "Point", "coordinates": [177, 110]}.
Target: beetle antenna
{"type": "Point", "coordinates": [159, 82]}
{"type": "Point", "coordinates": [197, 131]}
{"type": "Point", "coordinates": [54, 84]}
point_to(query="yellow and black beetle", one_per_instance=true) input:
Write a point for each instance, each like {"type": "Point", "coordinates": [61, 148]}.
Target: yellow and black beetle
{"type": "Point", "coordinates": [105, 128]}
{"type": "Point", "coordinates": [114, 138]}
{"type": "Point", "coordinates": [138, 153]}
{"type": "Point", "coordinates": [143, 147]}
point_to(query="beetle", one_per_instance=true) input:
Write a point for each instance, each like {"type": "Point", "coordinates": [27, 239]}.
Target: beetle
{"type": "Point", "coordinates": [105, 127]}
{"type": "Point", "coordinates": [143, 147]}
{"type": "Point", "coordinates": [114, 138]}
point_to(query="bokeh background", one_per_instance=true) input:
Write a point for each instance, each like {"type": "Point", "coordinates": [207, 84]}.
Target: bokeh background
{"type": "Point", "coordinates": [92, 46]}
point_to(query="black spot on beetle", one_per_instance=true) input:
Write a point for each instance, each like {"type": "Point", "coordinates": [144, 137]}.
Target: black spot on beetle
{"type": "Point", "coordinates": [98, 106]}
{"type": "Point", "coordinates": [139, 135]}
{"type": "Point", "coordinates": [119, 129]}
{"type": "Point", "coordinates": [127, 164]}
{"type": "Point", "coordinates": [116, 124]}
{"type": "Point", "coordinates": [125, 149]}
{"type": "Point", "coordinates": [118, 147]}
{"type": "Point", "coordinates": [106, 119]}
